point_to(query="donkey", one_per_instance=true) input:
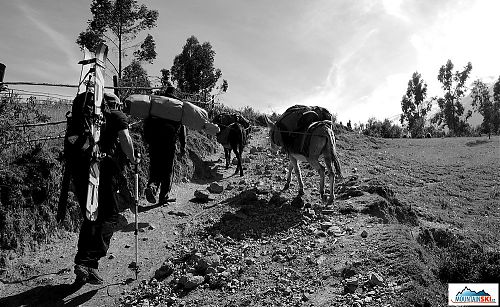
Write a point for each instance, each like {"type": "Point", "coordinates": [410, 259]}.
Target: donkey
{"type": "Point", "coordinates": [318, 139]}
{"type": "Point", "coordinates": [232, 136]}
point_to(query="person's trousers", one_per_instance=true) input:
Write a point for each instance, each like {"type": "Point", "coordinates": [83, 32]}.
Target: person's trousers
{"type": "Point", "coordinates": [161, 166]}
{"type": "Point", "coordinates": [161, 136]}
{"type": "Point", "coordinates": [95, 236]}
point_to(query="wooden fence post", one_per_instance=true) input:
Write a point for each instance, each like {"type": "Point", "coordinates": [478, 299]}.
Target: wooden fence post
{"type": "Point", "coordinates": [115, 85]}
{"type": "Point", "coordinates": [2, 73]}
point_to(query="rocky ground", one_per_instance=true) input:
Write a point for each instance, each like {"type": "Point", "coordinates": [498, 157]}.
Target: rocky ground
{"type": "Point", "coordinates": [242, 241]}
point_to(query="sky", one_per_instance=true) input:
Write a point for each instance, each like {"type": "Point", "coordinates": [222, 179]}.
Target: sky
{"type": "Point", "coordinates": [353, 57]}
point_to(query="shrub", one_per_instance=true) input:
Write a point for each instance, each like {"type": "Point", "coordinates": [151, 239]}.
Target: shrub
{"type": "Point", "coordinates": [29, 176]}
{"type": "Point", "coordinates": [29, 186]}
{"type": "Point", "coordinates": [464, 262]}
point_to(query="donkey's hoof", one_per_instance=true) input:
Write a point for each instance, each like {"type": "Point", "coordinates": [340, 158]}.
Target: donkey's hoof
{"type": "Point", "coordinates": [286, 187]}
{"type": "Point", "coordinates": [301, 192]}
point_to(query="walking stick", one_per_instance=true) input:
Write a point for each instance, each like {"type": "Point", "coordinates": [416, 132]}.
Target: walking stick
{"type": "Point", "coordinates": [136, 230]}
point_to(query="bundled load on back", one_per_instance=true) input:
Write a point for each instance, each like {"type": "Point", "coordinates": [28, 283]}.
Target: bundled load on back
{"type": "Point", "coordinates": [295, 121]}
{"type": "Point", "coordinates": [190, 115]}
{"type": "Point", "coordinates": [226, 119]}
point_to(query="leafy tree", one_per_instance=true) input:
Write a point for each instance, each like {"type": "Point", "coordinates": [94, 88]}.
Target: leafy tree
{"type": "Point", "coordinates": [118, 23]}
{"type": "Point", "coordinates": [165, 78]}
{"type": "Point", "coordinates": [134, 75]}
{"type": "Point", "coordinates": [383, 129]}
{"type": "Point", "coordinates": [414, 106]}
{"type": "Point", "coordinates": [451, 108]}
{"type": "Point", "coordinates": [147, 51]}
{"type": "Point", "coordinates": [481, 101]}
{"type": "Point", "coordinates": [496, 107]}
{"type": "Point", "coordinates": [193, 69]}
{"type": "Point", "coordinates": [373, 127]}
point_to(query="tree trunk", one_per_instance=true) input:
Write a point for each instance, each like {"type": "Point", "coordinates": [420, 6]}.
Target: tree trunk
{"type": "Point", "coordinates": [119, 57]}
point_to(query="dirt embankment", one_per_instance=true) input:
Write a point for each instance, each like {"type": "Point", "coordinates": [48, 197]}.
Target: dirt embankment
{"type": "Point", "coordinates": [402, 203]}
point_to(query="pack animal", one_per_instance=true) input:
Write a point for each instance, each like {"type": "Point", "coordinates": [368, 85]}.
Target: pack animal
{"type": "Point", "coordinates": [232, 136]}
{"type": "Point", "coordinates": [308, 145]}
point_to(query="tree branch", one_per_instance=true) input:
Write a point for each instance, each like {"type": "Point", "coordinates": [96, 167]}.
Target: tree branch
{"type": "Point", "coordinates": [109, 61]}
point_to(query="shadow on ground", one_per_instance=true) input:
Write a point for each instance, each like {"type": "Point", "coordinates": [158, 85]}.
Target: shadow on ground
{"type": "Point", "coordinates": [49, 295]}
{"type": "Point", "coordinates": [257, 217]}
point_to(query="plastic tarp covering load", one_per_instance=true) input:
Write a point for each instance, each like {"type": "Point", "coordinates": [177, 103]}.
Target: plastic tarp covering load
{"type": "Point", "coordinates": [188, 114]}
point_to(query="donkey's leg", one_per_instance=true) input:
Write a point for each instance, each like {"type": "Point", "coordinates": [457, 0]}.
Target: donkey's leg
{"type": "Point", "coordinates": [313, 161]}
{"type": "Point", "coordinates": [288, 174]}
{"type": "Point", "coordinates": [296, 166]}
{"type": "Point", "coordinates": [331, 176]}
{"type": "Point", "coordinates": [331, 157]}
{"type": "Point", "coordinates": [227, 155]}
{"type": "Point", "coordinates": [238, 157]}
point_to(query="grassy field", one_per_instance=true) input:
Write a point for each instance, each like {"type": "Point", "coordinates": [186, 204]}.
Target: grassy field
{"type": "Point", "coordinates": [453, 187]}
{"type": "Point", "coordinates": [452, 182]}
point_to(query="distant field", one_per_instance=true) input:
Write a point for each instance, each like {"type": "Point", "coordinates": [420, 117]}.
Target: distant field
{"type": "Point", "coordinates": [453, 181]}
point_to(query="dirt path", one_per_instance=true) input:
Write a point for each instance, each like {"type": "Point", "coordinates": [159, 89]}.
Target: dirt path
{"type": "Point", "coordinates": [273, 248]}
{"type": "Point", "coordinates": [45, 277]}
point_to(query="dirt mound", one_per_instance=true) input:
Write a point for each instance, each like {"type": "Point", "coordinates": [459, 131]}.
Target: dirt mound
{"type": "Point", "coordinates": [193, 166]}
{"type": "Point", "coordinates": [437, 237]}
{"type": "Point", "coordinates": [380, 202]}
{"type": "Point", "coordinates": [390, 213]}
{"type": "Point", "coordinates": [476, 143]}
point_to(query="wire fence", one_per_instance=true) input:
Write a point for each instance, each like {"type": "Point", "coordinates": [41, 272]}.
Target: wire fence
{"type": "Point", "coordinates": [42, 115]}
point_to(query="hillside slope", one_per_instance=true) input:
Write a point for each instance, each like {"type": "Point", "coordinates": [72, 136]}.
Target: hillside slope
{"type": "Point", "coordinates": [402, 203]}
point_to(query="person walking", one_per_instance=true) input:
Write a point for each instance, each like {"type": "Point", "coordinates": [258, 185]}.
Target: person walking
{"type": "Point", "coordinates": [95, 236]}
{"type": "Point", "coordinates": [161, 135]}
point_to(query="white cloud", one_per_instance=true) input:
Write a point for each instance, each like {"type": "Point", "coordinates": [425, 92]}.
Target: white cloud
{"type": "Point", "coordinates": [461, 36]}
{"type": "Point", "coordinates": [373, 61]}
{"type": "Point", "coordinates": [64, 45]}
{"type": "Point", "coordinates": [393, 7]}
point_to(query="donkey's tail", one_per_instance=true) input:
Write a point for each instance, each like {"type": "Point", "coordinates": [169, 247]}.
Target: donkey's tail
{"type": "Point", "coordinates": [335, 156]}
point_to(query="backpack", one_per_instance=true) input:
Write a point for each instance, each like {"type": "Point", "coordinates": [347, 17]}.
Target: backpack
{"type": "Point", "coordinates": [78, 140]}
